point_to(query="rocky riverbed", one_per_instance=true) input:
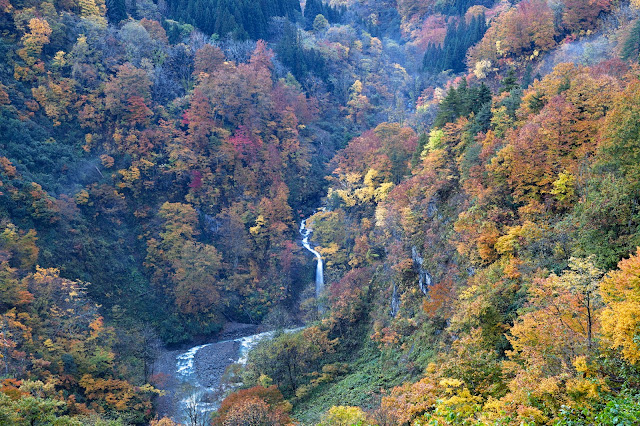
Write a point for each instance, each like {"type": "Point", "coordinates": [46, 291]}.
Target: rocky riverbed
{"type": "Point", "coordinates": [191, 377]}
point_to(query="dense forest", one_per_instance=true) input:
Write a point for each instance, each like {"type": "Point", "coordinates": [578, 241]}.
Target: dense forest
{"type": "Point", "coordinates": [472, 172]}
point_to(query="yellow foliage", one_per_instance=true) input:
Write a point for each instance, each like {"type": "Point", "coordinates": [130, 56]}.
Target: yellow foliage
{"type": "Point", "coordinates": [621, 323]}
{"type": "Point", "coordinates": [260, 223]}
{"type": "Point", "coordinates": [344, 416]}
{"type": "Point", "coordinates": [328, 251]}
{"type": "Point", "coordinates": [59, 60]}
{"type": "Point", "coordinates": [582, 390]}
{"type": "Point", "coordinates": [88, 8]}
{"type": "Point", "coordinates": [435, 142]}
{"type": "Point", "coordinates": [82, 197]}
{"type": "Point", "coordinates": [129, 175]}
{"type": "Point", "coordinates": [621, 319]}
{"type": "Point", "coordinates": [165, 421]}
{"type": "Point", "coordinates": [516, 235]}
{"type": "Point", "coordinates": [37, 37]}
{"type": "Point", "coordinates": [450, 384]}
{"type": "Point", "coordinates": [348, 199]}
{"type": "Point", "coordinates": [381, 192]}
{"type": "Point", "coordinates": [371, 177]}
{"type": "Point", "coordinates": [580, 363]}
{"type": "Point", "coordinates": [564, 187]}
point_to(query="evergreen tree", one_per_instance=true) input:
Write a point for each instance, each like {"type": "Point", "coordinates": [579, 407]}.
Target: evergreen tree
{"type": "Point", "coordinates": [299, 60]}
{"type": "Point", "coordinates": [241, 18]}
{"type": "Point", "coordinates": [459, 7]}
{"type": "Point", "coordinates": [312, 9]}
{"type": "Point", "coordinates": [422, 142]}
{"type": "Point", "coordinates": [449, 108]}
{"type": "Point", "coordinates": [462, 102]}
{"type": "Point", "coordinates": [631, 46]}
{"type": "Point", "coordinates": [458, 39]}
{"type": "Point", "coordinates": [482, 121]}
{"type": "Point", "coordinates": [510, 82]}
{"type": "Point", "coordinates": [116, 11]}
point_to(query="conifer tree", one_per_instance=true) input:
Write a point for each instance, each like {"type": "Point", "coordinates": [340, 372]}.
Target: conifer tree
{"type": "Point", "coordinates": [116, 11]}
{"type": "Point", "coordinates": [631, 45]}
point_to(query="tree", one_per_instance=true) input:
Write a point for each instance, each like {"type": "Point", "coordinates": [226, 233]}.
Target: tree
{"type": "Point", "coordinates": [320, 23]}
{"type": "Point", "coordinates": [620, 322]}
{"type": "Point", "coordinates": [33, 41]}
{"type": "Point", "coordinates": [581, 15]}
{"type": "Point", "coordinates": [289, 358]}
{"type": "Point", "coordinates": [208, 58]}
{"type": "Point", "coordinates": [116, 11]}
{"type": "Point", "coordinates": [621, 133]}
{"type": "Point", "coordinates": [196, 276]}
{"type": "Point", "coordinates": [563, 322]}
{"type": "Point", "coordinates": [254, 406]}
{"type": "Point", "coordinates": [344, 416]}
{"type": "Point", "coordinates": [359, 105]}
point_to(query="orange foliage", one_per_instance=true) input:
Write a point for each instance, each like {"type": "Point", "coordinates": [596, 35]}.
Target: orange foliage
{"type": "Point", "coordinates": [256, 405]}
{"type": "Point", "coordinates": [521, 30]}
{"type": "Point", "coordinates": [440, 299]}
{"type": "Point", "coordinates": [581, 15]}
{"type": "Point", "coordinates": [208, 59]}
{"type": "Point", "coordinates": [155, 30]}
{"type": "Point", "coordinates": [620, 321]}
{"type": "Point", "coordinates": [409, 401]}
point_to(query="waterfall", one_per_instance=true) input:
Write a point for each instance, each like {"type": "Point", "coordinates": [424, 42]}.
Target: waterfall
{"type": "Point", "coordinates": [424, 278]}
{"type": "Point", "coordinates": [306, 233]}
{"type": "Point", "coordinates": [395, 301]}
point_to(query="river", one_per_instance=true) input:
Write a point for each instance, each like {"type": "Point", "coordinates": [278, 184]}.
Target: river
{"type": "Point", "coordinates": [194, 380]}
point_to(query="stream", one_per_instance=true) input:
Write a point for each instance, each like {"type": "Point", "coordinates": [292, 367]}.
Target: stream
{"type": "Point", "coordinates": [195, 384]}
{"type": "Point", "coordinates": [194, 380]}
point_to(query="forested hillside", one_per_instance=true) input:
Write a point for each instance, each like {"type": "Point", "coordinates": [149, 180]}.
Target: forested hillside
{"type": "Point", "coordinates": [478, 167]}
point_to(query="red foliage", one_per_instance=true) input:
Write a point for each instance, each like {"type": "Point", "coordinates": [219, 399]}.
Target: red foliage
{"type": "Point", "coordinates": [244, 142]}
{"type": "Point", "coordinates": [196, 180]}
{"type": "Point", "coordinates": [139, 112]}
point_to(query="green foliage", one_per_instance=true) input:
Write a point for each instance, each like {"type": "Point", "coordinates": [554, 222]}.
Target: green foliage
{"type": "Point", "coordinates": [619, 410]}
{"type": "Point", "coordinates": [315, 8]}
{"type": "Point", "coordinates": [422, 143]}
{"type": "Point", "coordinates": [30, 411]}
{"type": "Point", "coordinates": [302, 61]}
{"type": "Point", "coordinates": [597, 231]}
{"type": "Point", "coordinates": [631, 46]}
{"type": "Point", "coordinates": [290, 358]}
{"type": "Point", "coordinates": [452, 54]}
{"type": "Point", "coordinates": [369, 372]}
{"type": "Point", "coordinates": [461, 102]}
{"type": "Point", "coordinates": [163, 172]}
{"type": "Point", "coordinates": [242, 19]}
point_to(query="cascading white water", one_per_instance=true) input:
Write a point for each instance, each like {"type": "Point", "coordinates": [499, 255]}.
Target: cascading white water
{"type": "Point", "coordinates": [200, 400]}
{"type": "Point", "coordinates": [424, 278]}
{"type": "Point", "coordinates": [306, 233]}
